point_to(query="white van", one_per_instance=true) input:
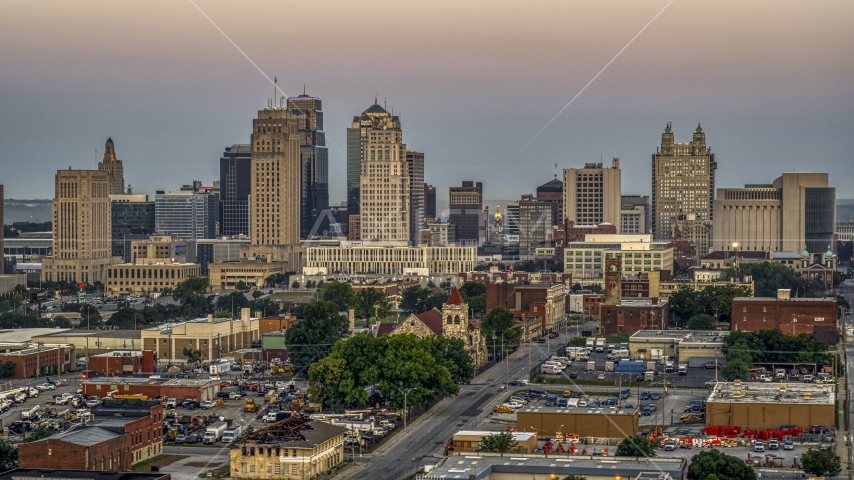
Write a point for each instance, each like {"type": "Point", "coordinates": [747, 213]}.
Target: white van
{"type": "Point", "coordinates": [557, 365]}
{"type": "Point", "coordinates": [619, 355]}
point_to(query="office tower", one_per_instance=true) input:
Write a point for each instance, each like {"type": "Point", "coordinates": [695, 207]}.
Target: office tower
{"type": "Point", "coordinates": [466, 211]}
{"type": "Point", "coordinates": [275, 201]}
{"type": "Point", "coordinates": [314, 165]}
{"type": "Point", "coordinates": [591, 195]}
{"type": "Point", "coordinates": [797, 209]}
{"type": "Point", "coordinates": [186, 214]}
{"type": "Point", "coordinates": [552, 192]}
{"type": "Point", "coordinates": [384, 180]}
{"type": "Point", "coordinates": [2, 234]}
{"type": "Point", "coordinates": [697, 233]}
{"type": "Point", "coordinates": [415, 168]}
{"type": "Point", "coordinates": [114, 168]}
{"type": "Point", "coordinates": [683, 181]}
{"type": "Point", "coordinates": [235, 184]}
{"type": "Point", "coordinates": [133, 218]}
{"type": "Point", "coordinates": [429, 202]}
{"type": "Point", "coordinates": [82, 235]}
{"type": "Point", "coordinates": [511, 219]}
{"type": "Point", "coordinates": [634, 214]}
{"type": "Point", "coordinates": [535, 225]}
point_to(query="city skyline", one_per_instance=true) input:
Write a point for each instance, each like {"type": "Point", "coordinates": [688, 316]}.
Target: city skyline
{"type": "Point", "coordinates": [788, 112]}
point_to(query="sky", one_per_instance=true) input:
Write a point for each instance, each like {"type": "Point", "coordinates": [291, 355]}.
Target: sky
{"type": "Point", "coordinates": [772, 83]}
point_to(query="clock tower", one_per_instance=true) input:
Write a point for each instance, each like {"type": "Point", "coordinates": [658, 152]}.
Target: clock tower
{"type": "Point", "coordinates": [613, 280]}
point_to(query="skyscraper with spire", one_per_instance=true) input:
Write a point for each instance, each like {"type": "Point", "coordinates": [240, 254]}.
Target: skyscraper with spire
{"type": "Point", "coordinates": [683, 181]}
{"type": "Point", "coordinates": [375, 139]}
{"type": "Point", "coordinates": [114, 168]}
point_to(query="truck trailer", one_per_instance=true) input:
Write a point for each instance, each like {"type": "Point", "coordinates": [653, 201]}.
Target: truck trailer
{"type": "Point", "coordinates": [214, 433]}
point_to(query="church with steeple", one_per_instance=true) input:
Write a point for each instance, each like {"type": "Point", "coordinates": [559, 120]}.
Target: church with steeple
{"type": "Point", "coordinates": [451, 321]}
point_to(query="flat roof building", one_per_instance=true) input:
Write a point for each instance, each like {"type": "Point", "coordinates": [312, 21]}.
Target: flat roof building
{"type": "Point", "coordinates": [584, 260]}
{"type": "Point", "coordinates": [469, 440]}
{"type": "Point", "coordinates": [693, 347]}
{"type": "Point", "coordinates": [754, 405]}
{"type": "Point", "coordinates": [212, 336]}
{"type": "Point", "coordinates": [379, 258]}
{"type": "Point", "coordinates": [199, 389]}
{"type": "Point", "coordinates": [582, 421]}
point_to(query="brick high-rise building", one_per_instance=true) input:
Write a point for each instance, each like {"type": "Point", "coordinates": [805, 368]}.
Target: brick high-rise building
{"type": "Point", "coordinates": [384, 177]}
{"type": "Point", "coordinates": [683, 181]}
{"type": "Point", "coordinates": [274, 205]}
{"type": "Point", "coordinates": [114, 168]}
{"type": "Point", "coordinates": [82, 230]}
{"type": "Point", "coordinates": [591, 195]}
{"type": "Point", "coordinates": [466, 212]}
{"type": "Point", "coordinates": [235, 186]}
{"type": "Point", "coordinates": [314, 164]}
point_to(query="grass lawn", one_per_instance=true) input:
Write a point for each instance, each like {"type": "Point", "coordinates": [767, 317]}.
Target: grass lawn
{"type": "Point", "coordinates": [298, 297]}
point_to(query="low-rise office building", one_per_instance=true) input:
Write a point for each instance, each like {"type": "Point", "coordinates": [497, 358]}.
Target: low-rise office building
{"type": "Point", "coordinates": [630, 316]}
{"type": "Point", "coordinates": [754, 405]}
{"type": "Point", "coordinates": [546, 301]}
{"type": "Point", "coordinates": [379, 258]}
{"type": "Point", "coordinates": [294, 448]}
{"type": "Point", "coordinates": [789, 315]}
{"type": "Point", "coordinates": [639, 253]}
{"type": "Point", "coordinates": [692, 347]}
{"type": "Point", "coordinates": [212, 336]}
{"type": "Point", "coordinates": [253, 273]}
{"type": "Point", "coordinates": [123, 433]}
{"type": "Point", "coordinates": [40, 360]}
{"type": "Point", "coordinates": [199, 389]}
{"type": "Point", "coordinates": [147, 275]}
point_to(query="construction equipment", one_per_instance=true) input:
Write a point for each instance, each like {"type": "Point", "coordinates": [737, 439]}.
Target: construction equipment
{"type": "Point", "coordinates": [250, 405]}
{"type": "Point", "coordinates": [137, 396]}
{"type": "Point", "coordinates": [502, 409]}
{"type": "Point", "coordinates": [285, 368]}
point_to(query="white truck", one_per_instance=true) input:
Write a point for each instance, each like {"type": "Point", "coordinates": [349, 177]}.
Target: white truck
{"type": "Point", "coordinates": [248, 368]}
{"type": "Point", "coordinates": [231, 434]}
{"type": "Point", "coordinates": [591, 343]}
{"type": "Point", "coordinates": [220, 367]}
{"type": "Point", "coordinates": [619, 355]}
{"type": "Point", "coordinates": [562, 360]}
{"type": "Point", "coordinates": [31, 413]}
{"type": "Point", "coordinates": [600, 344]}
{"type": "Point", "coordinates": [683, 369]}
{"type": "Point", "coordinates": [214, 432]}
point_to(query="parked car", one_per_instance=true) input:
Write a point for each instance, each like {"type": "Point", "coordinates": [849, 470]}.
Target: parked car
{"type": "Point", "coordinates": [573, 375]}
{"type": "Point", "coordinates": [601, 376]}
{"type": "Point", "coordinates": [710, 365]}
{"type": "Point", "coordinates": [234, 395]}
{"type": "Point", "coordinates": [655, 395]}
{"type": "Point", "coordinates": [711, 383]}
{"type": "Point", "coordinates": [629, 406]}
{"type": "Point", "coordinates": [758, 446]}
{"type": "Point", "coordinates": [649, 409]}
{"type": "Point", "coordinates": [180, 438]}
{"type": "Point", "coordinates": [773, 444]}
{"type": "Point", "coordinates": [788, 444]}
{"type": "Point", "coordinates": [93, 401]}
{"type": "Point", "coordinates": [582, 403]}
{"type": "Point", "coordinates": [644, 395]}
{"type": "Point", "coordinates": [206, 404]}
{"type": "Point", "coordinates": [514, 405]}
{"type": "Point", "coordinates": [670, 446]}
{"type": "Point", "coordinates": [521, 400]}
{"type": "Point", "coordinates": [47, 386]}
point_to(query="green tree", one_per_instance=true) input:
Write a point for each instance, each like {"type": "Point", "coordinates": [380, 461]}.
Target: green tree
{"type": "Point", "coordinates": [637, 446]}
{"type": "Point", "coordinates": [312, 338]}
{"type": "Point", "coordinates": [7, 368]}
{"type": "Point", "coordinates": [8, 456]}
{"type": "Point", "coordinates": [452, 354]}
{"type": "Point", "coordinates": [701, 322]}
{"type": "Point", "coordinates": [472, 289]}
{"type": "Point", "coordinates": [414, 299]}
{"type": "Point", "coordinates": [224, 314]}
{"type": "Point", "coordinates": [325, 382]}
{"type": "Point", "coordinates": [274, 279]}
{"type": "Point", "coordinates": [192, 356]}
{"type": "Point", "coordinates": [503, 442]}
{"type": "Point", "coordinates": [233, 302]}
{"type": "Point", "coordinates": [712, 476]}
{"type": "Point", "coordinates": [38, 434]}
{"type": "Point", "coordinates": [500, 323]}
{"type": "Point", "coordinates": [191, 286]}
{"type": "Point", "coordinates": [714, 462]}
{"type": "Point", "coordinates": [339, 293]}
{"type": "Point", "coordinates": [821, 462]}
{"type": "Point", "coordinates": [736, 370]}
{"type": "Point", "coordinates": [190, 295]}
{"type": "Point", "coordinates": [241, 286]}
{"type": "Point", "coordinates": [256, 294]}
{"type": "Point", "coordinates": [295, 284]}
{"type": "Point", "coordinates": [370, 301]}
{"type": "Point", "coordinates": [309, 284]}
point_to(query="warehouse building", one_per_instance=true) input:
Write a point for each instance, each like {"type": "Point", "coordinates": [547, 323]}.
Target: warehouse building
{"type": "Point", "coordinates": [753, 405]}
{"type": "Point", "coordinates": [582, 421]}
{"type": "Point", "coordinates": [693, 347]}
{"type": "Point", "coordinates": [469, 440]}
{"type": "Point", "coordinates": [214, 337]}
{"type": "Point", "coordinates": [38, 360]}
{"type": "Point", "coordinates": [294, 448]}
{"type": "Point", "coordinates": [94, 342]}
{"type": "Point", "coordinates": [792, 316]}
{"type": "Point", "coordinates": [122, 434]}
{"type": "Point", "coordinates": [198, 389]}
{"type": "Point", "coordinates": [495, 466]}
{"type": "Point", "coordinates": [123, 362]}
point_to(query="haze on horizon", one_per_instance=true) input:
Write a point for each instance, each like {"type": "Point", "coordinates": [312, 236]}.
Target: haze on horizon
{"type": "Point", "coordinates": [473, 82]}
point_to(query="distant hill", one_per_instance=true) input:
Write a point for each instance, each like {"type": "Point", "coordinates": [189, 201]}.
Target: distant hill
{"type": "Point", "coordinates": [36, 211]}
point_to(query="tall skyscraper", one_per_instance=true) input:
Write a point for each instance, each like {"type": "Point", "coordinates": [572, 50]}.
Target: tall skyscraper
{"type": "Point", "coordinates": [384, 179]}
{"type": "Point", "coordinates": [683, 181]}
{"type": "Point", "coordinates": [235, 179]}
{"type": "Point", "coordinates": [552, 192]}
{"type": "Point", "coordinates": [186, 214]}
{"type": "Point", "coordinates": [415, 169]}
{"type": "Point", "coordinates": [466, 212]}
{"type": "Point", "coordinates": [274, 207]}
{"type": "Point", "coordinates": [535, 225]}
{"type": "Point", "coordinates": [2, 234]}
{"type": "Point", "coordinates": [797, 209]}
{"type": "Point", "coordinates": [591, 195]}
{"type": "Point", "coordinates": [82, 232]}
{"type": "Point", "coordinates": [114, 168]}
{"type": "Point", "coordinates": [429, 202]}
{"type": "Point", "coordinates": [314, 164]}
{"type": "Point", "coordinates": [133, 218]}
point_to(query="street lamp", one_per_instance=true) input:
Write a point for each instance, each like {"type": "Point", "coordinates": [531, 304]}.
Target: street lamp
{"type": "Point", "coordinates": [405, 394]}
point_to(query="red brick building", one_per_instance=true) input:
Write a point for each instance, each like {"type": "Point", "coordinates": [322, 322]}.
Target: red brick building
{"type": "Point", "coordinates": [632, 315]}
{"type": "Point", "coordinates": [517, 277]}
{"type": "Point", "coordinates": [198, 389]}
{"type": "Point", "coordinates": [123, 433]}
{"type": "Point", "coordinates": [792, 316]}
{"type": "Point", "coordinates": [44, 359]}
{"type": "Point", "coordinates": [123, 363]}
{"type": "Point", "coordinates": [546, 301]}
{"type": "Point", "coordinates": [584, 303]}
{"type": "Point", "coordinates": [278, 323]}
{"type": "Point", "coordinates": [570, 232]}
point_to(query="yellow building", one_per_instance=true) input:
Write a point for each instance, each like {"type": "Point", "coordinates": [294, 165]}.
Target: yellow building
{"type": "Point", "coordinates": [375, 258]}
{"type": "Point", "coordinates": [212, 336]}
{"type": "Point", "coordinates": [226, 275]}
{"type": "Point", "coordinates": [147, 275]}
{"type": "Point", "coordinates": [639, 253]}
{"type": "Point", "coordinates": [82, 226]}
{"type": "Point", "coordinates": [293, 449]}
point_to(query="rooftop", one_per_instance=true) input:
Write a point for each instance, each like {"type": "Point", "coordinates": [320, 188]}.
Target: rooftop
{"type": "Point", "coordinates": [295, 432]}
{"type": "Point", "coordinates": [642, 303]}
{"type": "Point", "coordinates": [464, 467]}
{"type": "Point", "coordinates": [518, 436]}
{"type": "Point", "coordinates": [708, 336]}
{"type": "Point", "coordinates": [48, 474]}
{"type": "Point", "coordinates": [24, 335]}
{"type": "Point", "coordinates": [185, 382]}
{"type": "Point", "coordinates": [754, 392]}
{"type": "Point", "coordinates": [575, 410]}
{"type": "Point", "coordinates": [121, 353]}
{"type": "Point", "coordinates": [775, 299]}
{"type": "Point", "coordinates": [86, 436]}
{"type": "Point", "coordinates": [93, 333]}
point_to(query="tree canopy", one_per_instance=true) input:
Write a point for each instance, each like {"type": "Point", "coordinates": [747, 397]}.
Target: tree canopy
{"type": "Point", "coordinates": [710, 462]}
{"type": "Point", "coordinates": [312, 338]}
{"type": "Point", "coordinates": [339, 293]}
{"type": "Point", "coordinates": [637, 446]}
{"type": "Point", "coordinates": [367, 301]}
{"type": "Point", "coordinates": [821, 462]}
{"type": "Point", "coordinates": [399, 365]}
{"type": "Point", "coordinates": [501, 323]}
{"type": "Point", "coordinates": [686, 303]}
{"type": "Point", "coordinates": [701, 322]}
{"type": "Point", "coordinates": [770, 276]}
{"type": "Point", "coordinates": [503, 442]}
{"type": "Point", "coordinates": [8, 456]}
